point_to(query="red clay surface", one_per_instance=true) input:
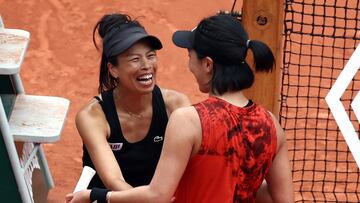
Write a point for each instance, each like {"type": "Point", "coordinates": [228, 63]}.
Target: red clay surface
{"type": "Point", "coordinates": [62, 61]}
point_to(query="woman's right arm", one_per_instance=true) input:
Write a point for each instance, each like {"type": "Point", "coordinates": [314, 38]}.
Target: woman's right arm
{"type": "Point", "coordinates": [278, 186]}
{"type": "Point", "coordinates": [93, 129]}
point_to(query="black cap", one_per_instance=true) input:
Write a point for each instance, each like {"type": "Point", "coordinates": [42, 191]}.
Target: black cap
{"type": "Point", "coordinates": [220, 37]}
{"type": "Point", "coordinates": [118, 40]}
{"type": "Point", "coordinates": [184, 38]}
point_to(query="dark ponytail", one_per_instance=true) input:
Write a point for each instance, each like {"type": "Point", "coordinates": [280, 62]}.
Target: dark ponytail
{"type": "Point", "coordinates": [102, 27]}
{"type": "Point", "coordinates": [223, 38]}
{"type": "Point", "coordinates": [263, 57]}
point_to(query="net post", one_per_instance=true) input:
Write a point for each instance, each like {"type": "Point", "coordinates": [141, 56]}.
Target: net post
{"type": "Point", "coordinates": [263, 20]}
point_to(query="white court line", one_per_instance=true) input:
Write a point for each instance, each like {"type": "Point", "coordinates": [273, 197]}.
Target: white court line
{"type": "Point", "coordinates": [356, 106]}
{"type": "Point", "coordinates": [337, 108]}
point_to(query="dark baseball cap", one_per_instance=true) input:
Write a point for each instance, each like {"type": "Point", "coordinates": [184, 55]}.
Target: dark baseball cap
{"type": "Point", "coordinates": [119, 40]}
{"type": "Point", "coordinates": [220, 37]}
{"type": "Point", "coordinates": [184, 38]}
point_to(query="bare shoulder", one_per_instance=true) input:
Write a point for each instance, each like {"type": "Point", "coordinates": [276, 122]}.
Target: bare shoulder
{"type": "Point", "coordinates": [174, 99]}
{"type": "Point", "coordinates": [186, 112]}
{"type": "Point", "coordinates": [91, 118]}
{"type": "Point", "coordinates": [279, 131]}
{"type": "Point", "coordinates": [187, 118]}
{"type": "Point", "coordinates": [90, 110]}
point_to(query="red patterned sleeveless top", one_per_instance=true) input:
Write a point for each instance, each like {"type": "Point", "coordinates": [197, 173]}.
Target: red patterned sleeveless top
{"type": "Point", "coordinates": [237, 149]}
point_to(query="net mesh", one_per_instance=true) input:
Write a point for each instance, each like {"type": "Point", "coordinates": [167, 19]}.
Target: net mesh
{"type": "Point", "coordinates": [319, 38]}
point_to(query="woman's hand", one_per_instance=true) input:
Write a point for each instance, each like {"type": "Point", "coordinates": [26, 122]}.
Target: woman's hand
{"type": "Point", "coordinates": [82, 196]}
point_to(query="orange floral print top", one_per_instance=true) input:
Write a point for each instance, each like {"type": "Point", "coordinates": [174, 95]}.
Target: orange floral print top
{"type": "Point", "coordinates": [237, 149]}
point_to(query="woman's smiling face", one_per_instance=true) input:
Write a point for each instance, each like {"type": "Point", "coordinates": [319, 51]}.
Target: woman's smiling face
{"type": "Point", "coordinates": [137, 66]}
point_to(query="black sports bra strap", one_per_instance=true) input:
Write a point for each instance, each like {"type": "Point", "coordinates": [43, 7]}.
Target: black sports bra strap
{"type": "Point", "coordinates": [250, 102]}
{"type": "Point", "coordinates": [158, 100]}
{"type": "Point", "coordinates": [109, 108]}
{"type": "Point", "coordinates": [98, 98]}
{"type": "Point", "coordinates": [159, 114]}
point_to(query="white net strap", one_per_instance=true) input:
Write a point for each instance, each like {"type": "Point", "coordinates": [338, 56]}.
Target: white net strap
{"type": "Point", "coordinates": [34, 163]}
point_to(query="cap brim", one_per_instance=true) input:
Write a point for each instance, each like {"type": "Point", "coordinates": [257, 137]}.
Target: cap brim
{"type": "Point", "coordinates": [154, 42]}
{"type": "Point", "coordinates": [183, 39]}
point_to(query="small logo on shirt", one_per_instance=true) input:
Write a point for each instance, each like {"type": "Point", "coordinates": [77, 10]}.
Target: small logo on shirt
{"type": "Point", "coordinates": [158, 139]}
{"type": "Point", "coordinates": [116, 146]}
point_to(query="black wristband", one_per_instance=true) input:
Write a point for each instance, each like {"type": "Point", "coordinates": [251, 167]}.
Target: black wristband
{"type": "Point", "coordinates": [98, 194]}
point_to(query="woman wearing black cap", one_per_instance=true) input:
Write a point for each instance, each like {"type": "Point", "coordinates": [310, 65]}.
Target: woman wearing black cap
{"type": "Point", "coordinates": [124, 126]}
{"type": "Point", "coordinates": [230, 145]}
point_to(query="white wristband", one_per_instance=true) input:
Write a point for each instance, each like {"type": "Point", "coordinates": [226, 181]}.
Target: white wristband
{"type": "Point", "coordinates": [108, 195]}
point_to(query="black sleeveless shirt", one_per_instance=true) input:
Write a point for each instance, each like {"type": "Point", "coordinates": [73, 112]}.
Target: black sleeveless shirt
{"type": "Point", "coordinates": [137, 160]}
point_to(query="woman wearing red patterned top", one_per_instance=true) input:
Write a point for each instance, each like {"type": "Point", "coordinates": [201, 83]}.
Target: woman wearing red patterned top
{"type": "Point", "coordinates": [222, 149]}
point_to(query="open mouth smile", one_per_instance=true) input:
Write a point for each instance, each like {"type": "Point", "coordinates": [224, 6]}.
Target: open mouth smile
{"type": "Point", "coordinates": [145, 79]}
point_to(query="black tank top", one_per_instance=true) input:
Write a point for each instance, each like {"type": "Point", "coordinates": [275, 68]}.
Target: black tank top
{"type": "Point", "coordinates": [137, 160]}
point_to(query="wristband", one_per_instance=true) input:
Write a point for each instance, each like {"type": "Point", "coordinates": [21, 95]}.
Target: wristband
{"type": "Point", "coordinates": [108, 195]}
{"type": "Point", "coordinates": [98, 195]}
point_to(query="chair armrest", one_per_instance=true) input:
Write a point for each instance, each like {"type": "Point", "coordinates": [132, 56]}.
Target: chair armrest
{"type": "Point", "coordinates": [38, 119]}
{"type": "Point", "coordinates": [14, 43]}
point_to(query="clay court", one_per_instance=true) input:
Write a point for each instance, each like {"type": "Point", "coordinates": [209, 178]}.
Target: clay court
{"type": "Point", "coordinates": [62, 61]}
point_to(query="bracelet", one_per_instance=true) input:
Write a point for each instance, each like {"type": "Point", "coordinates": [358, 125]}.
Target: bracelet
{"type": "Point", "coordinates": [108, 195]}
{"type": "Point", "coordinates": [98, 195]}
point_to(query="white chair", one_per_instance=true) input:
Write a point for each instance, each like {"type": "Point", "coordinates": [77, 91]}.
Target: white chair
{"type": "Point", "coordinates": [26, 121]}
{"type": "Point", "coordinates": [12, 53]}
{"type": "Point", "coordinates": [34, 120]}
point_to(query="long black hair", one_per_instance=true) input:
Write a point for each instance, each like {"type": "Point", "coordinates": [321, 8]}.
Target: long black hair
{"type": "Point", "coordinates": [223, 38]}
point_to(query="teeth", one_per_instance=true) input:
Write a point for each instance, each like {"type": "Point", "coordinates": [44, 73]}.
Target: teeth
{"type": "Point", "coordinates": [145, 82]}
{"type": "Point", "coordinates": [145, 77]}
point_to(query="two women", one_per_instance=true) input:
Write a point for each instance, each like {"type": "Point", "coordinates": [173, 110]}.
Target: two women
{"type": "Point", "coordinates": [221, 149]}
